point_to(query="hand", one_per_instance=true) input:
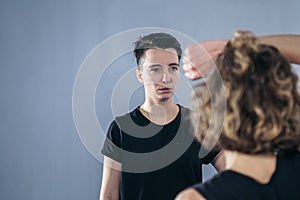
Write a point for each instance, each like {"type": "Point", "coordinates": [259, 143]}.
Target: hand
{"type": "Point", "coordinates": [198, 59]}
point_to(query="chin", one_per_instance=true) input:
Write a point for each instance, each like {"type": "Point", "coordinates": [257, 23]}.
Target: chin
{"type": "Point", "coordinates": [164, 99]}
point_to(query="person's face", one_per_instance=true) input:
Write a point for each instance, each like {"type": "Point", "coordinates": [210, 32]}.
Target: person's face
{"type": "Point", "coordinates": [159, 72]}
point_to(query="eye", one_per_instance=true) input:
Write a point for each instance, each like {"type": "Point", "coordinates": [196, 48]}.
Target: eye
{"type": "Point", "coordinates": [155, 69]}
{"type": "Point", "coordinates": [174, 68]}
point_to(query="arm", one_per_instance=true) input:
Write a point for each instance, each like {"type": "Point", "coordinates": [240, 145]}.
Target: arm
{"type": "Point", "coordinates": [219, 162]}
{"type": "Point", "coordinates": [199, 58]}
{"type": "Point", "coordinates": [189, 194]}
{"type": "Point", "coordinates": [110, 180]}
{"type": "Point", "coordinates": [288, 45]}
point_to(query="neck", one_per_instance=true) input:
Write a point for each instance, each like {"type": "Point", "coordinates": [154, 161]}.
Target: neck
{"type": "Point", "coordinates": [259, 167]}
{"type": "Point", "coordinates": [168, 105]}
{"type": "Point", "coordinates": [160, 113]}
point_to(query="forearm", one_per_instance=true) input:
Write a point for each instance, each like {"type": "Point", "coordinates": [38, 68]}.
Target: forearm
{"type": "Point", "coordinates": [109, 197]}
{"type": "Point", "coordinates": [109, 192]}
{"type": "Point", "coordinates": [288, 45]}
{"type": "Point", "coordinates": [111, 179]}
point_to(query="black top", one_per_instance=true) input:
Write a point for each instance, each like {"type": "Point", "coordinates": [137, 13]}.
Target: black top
{"type": "Point", "coordinates": [158, 161]}
{"type": "Point", "coordinates": [284, 183]}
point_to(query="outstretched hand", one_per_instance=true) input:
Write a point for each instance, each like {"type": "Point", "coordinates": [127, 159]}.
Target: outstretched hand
{"type": "Point", "coordinates": [198, 59]}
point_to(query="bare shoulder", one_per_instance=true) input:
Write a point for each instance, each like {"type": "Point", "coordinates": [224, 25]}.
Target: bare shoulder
{"type": "Point", "coordinates": [189, 194]}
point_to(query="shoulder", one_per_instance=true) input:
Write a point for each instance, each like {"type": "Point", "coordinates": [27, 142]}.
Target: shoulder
{"type": "Point", "coordinates": [185, 113]}
{"type": "Point", "coordinates": [216, 183]}
{"type": "Point", "coordinates": [125, 119]}
{"type": "Point", "coordinates": [126, 115]}
{"type": "Point", "coordinates": [289, 160]}
{"type": "Point", "coordinates": [118, 123]}
{"type": "Point", "coordinates": [184, 109]}
{"type": "Point", "coordinates": [189, 194]}
{"type": "Point", "coordinates": [135, 113]}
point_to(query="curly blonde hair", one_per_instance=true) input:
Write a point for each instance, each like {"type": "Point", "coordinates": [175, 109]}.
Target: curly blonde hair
{"type": "Point", "coordinates": [262, 101]}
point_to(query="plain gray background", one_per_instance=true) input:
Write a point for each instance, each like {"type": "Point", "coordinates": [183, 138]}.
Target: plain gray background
{"type": "Point", "coordinates": [42, 45]}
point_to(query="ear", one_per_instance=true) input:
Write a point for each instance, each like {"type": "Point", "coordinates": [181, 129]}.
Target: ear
{"type": "Point", "coordinates": [139, 75]}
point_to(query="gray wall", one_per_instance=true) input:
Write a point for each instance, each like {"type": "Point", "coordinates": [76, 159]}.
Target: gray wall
{"type": "Point", "coordinates": [42, 45]}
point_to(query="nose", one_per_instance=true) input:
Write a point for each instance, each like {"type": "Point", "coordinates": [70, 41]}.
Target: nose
{"type": "Point", "coordinates": [166, 78]}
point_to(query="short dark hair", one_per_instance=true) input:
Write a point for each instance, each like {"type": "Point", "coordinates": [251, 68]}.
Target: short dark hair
{"type": "Point", "coordinates": [153, 41]}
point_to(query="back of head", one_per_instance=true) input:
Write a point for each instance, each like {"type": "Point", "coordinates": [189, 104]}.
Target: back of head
{"type": "Point", "coordinates": [153, 41]}
{"type": "Point", "coordinates": [263, 105]}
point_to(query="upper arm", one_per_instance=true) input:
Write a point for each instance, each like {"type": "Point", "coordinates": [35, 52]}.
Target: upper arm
{"type": "Point", "coordinates": [189, 194]}
{"type": "Point", "coordinates": [219, 162]}
{"type": "Point", "coordinates": [111, 178]}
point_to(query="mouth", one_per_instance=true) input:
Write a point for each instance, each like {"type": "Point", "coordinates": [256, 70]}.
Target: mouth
{"type": "Point", "coordinates": [165, 90]}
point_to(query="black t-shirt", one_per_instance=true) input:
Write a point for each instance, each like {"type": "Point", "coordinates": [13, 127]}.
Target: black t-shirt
{"type": "Point", "coordinates": [158, 161]}
{"type": "Point", "coordinates": [284, 183]}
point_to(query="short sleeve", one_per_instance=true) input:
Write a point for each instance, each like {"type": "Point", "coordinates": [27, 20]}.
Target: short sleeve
{"type": "Point", "coordinates": [112, 145]}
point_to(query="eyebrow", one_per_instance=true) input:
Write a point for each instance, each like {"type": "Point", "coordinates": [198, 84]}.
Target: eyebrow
{"type": "Point", "coordinates": [160, 65]}
{"type": "Point", "coordinates": [172, 64]}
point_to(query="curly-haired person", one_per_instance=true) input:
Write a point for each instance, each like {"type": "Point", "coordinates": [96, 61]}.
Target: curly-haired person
{"type": "Point", "coordinates": [261, 133]}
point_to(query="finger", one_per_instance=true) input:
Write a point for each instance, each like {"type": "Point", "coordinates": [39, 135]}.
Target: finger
{"type": "Point", "coordinates": [185, 60]}
{"type": "Point", "coordinates": [192, 74]}
{"type": "Point", "coordinates": [187, 66]}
